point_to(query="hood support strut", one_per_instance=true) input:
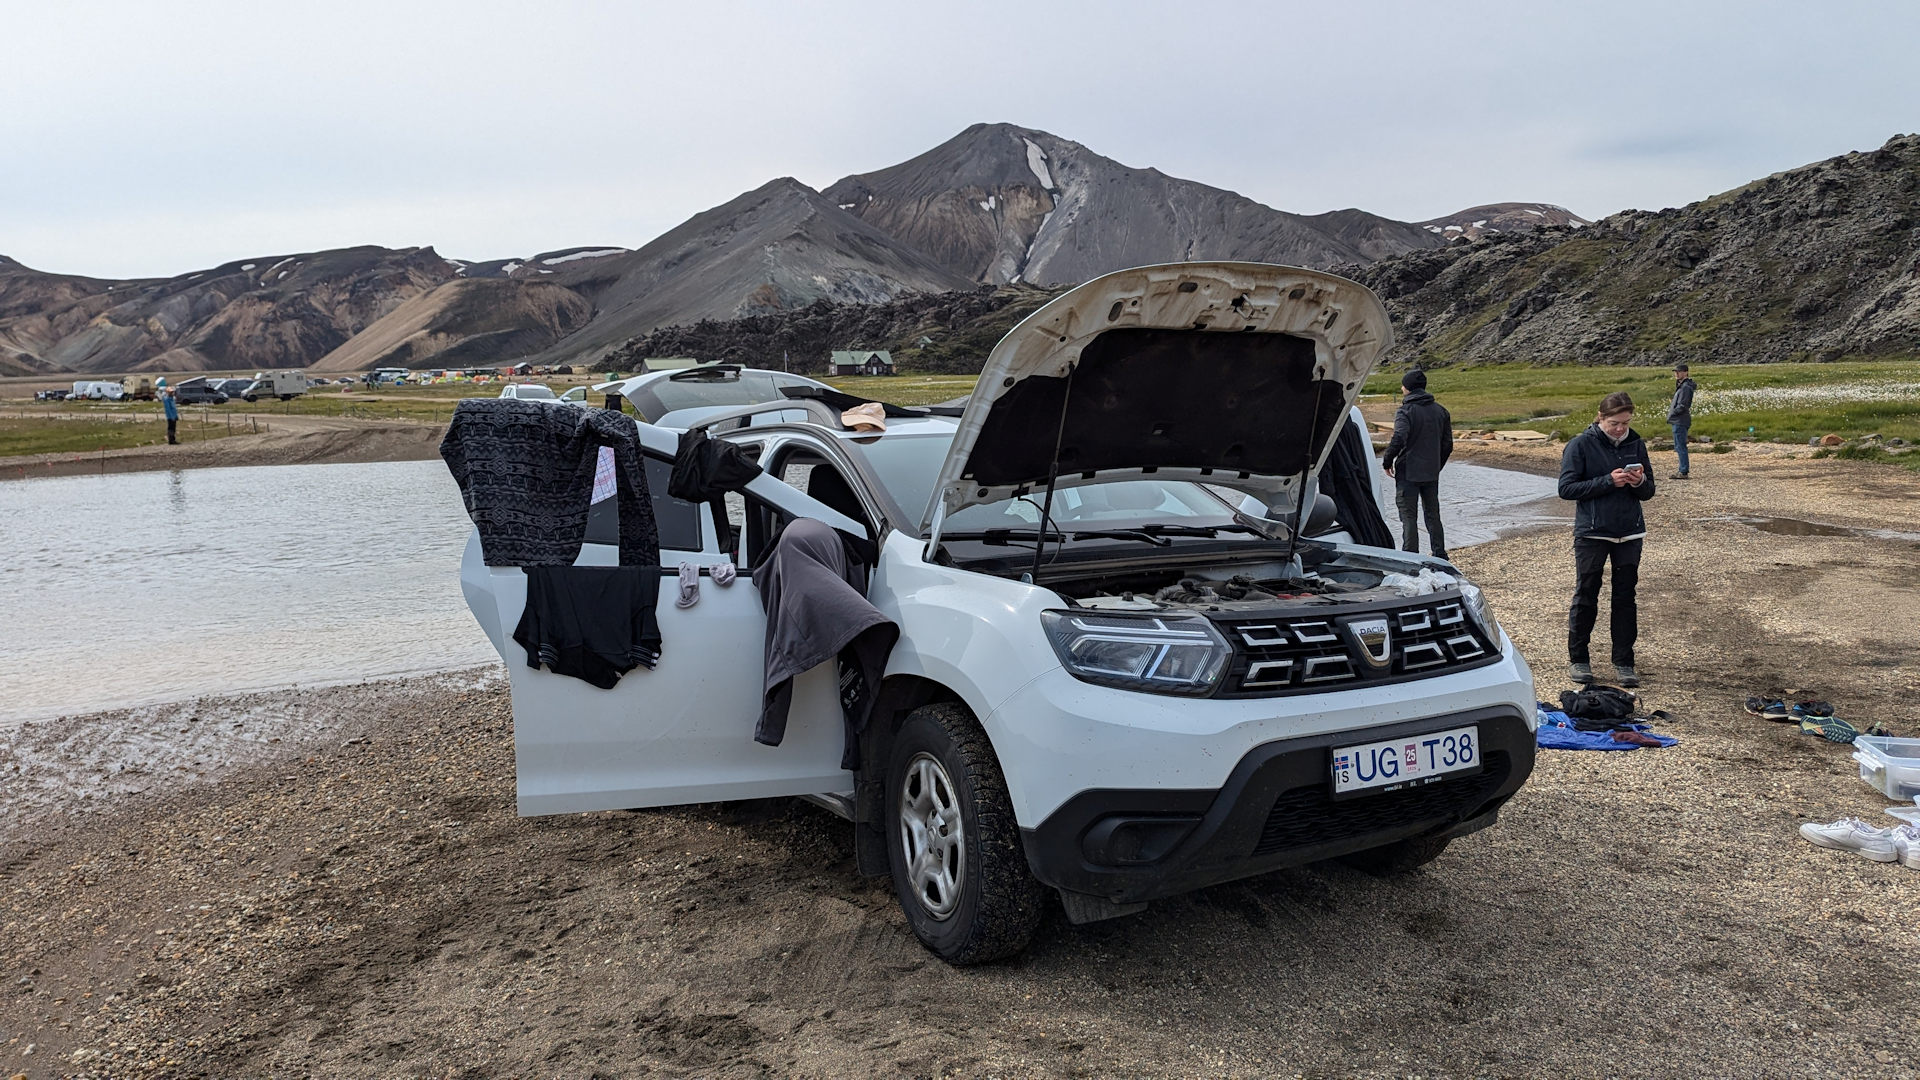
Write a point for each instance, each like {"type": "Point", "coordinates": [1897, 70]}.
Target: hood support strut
{"type": "Point", "coordinates": [1300, 493]}
{"type": "Point", "coordinates": [1053, 477]}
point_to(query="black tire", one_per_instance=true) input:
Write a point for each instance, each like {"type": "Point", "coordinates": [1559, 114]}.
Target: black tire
{"type": "Point", "coordinates": [1398, 858]}
{"type": "Point", "coordinates": [250, 399]}
{"type": "Point", "coordinates": [996, 904]}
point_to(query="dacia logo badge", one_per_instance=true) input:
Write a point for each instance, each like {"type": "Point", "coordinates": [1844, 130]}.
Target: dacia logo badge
{"type": "Point", "coordinates": [1376, 643]}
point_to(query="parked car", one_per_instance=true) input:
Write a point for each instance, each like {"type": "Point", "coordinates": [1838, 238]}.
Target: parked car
{"type": "Point", "coordinates": [199, 392]}
{"type": "Point", "coordinates": [680, 398]}
{"type": "Point", "coordinates": [527, 392]}
{"type": "Point", "coordinates": [1111, 685]}
{"type": "Point", "coordinates": [233, 388]}
{"type": "Point", "coordinates": [575, 396]}
{"type": "Point", "coordinates": [50, 395]}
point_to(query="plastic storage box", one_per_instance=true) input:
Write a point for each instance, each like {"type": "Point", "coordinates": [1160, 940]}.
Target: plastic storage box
{"type": "Point", "coordinates": [1891, 765]}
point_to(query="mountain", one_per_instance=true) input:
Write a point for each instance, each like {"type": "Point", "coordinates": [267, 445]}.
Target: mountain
{"type": "Point", "coordinates": [1477, 221]}
{"type": "Point", "coordinates": [1817, 262]}
{"type": "Point", "coordinates": [995, 204]}
{"type": "Point", "coordinates": [274, 311]}
{"type": "Point", "coordinates": [471, 322]}
{"type": "Point", "coordinates": [778, 247]}
{"type": "Point", "coordinates": [1000, 203]}
{"type": "Point", "coordinates": [941, 332]}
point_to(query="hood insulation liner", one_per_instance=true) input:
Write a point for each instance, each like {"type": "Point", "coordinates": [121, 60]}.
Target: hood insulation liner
{"type": "Point", "coordinates": [1151, 398]}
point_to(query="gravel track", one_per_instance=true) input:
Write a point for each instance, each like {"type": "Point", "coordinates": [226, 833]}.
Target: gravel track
{"type": "Point", "coordinates": [358, 898]}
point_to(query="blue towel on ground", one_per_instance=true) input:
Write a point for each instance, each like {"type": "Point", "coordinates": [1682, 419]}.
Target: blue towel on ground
{"type": "Point", "coordinates": [1558, 733]}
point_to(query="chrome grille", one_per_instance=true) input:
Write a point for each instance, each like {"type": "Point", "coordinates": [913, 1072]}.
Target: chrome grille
{"type": "Point", "coordinates": [1276, 656]}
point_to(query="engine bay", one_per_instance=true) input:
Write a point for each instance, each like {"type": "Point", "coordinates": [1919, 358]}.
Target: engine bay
{"type": "Point", "coordinates": [1249, 588]}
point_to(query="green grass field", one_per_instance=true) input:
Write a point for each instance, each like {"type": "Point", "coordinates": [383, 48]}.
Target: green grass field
{"type": "Point", "coordinates": [1789, 402]}
{"type": "Point", "coordinates": [64, 434]}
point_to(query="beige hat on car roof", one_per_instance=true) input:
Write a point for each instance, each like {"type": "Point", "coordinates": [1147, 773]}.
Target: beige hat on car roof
{"type": "Point", "coordinates": [868, 417]}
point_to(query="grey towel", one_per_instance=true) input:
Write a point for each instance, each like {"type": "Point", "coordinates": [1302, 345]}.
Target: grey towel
{"type": "Point", "coordinates": [814, 593]}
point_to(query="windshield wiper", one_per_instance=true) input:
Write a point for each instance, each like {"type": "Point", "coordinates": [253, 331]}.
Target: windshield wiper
{"type": "Point", "coordinates": [1199, 530]}
{"type": "Point", "coordinates": [1001, 536]}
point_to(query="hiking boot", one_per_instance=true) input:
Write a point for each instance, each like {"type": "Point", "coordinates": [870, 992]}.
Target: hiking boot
{"type": "Point", "coordinates": [1580, 673]}
{"type": "Point", "coordinates": [1852, 834]}
{"type": "Point", "coordinates": [1629, 678]}
{"type": "Point", "coordinates": [1678, 476]}
{"type": "Point", "coordinates": [1906, 841]}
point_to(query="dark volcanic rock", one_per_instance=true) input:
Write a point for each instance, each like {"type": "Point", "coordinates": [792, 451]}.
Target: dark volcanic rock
{"type": "Point", "coordinates": [949, 332]}
{"type": "Point", "coordinates": [1814, 263]}
{"type": "Point", "coordinates": [1001, 203]}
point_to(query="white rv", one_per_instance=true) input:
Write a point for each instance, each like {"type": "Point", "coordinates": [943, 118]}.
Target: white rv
{"type": "Point", "coordinates": [285, 385]}
{"type": "Point", "coordinates": [97, 390]}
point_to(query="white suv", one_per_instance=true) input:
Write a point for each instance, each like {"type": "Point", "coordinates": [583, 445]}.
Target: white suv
{"type": "Point", "coordinates": [1154, 693]}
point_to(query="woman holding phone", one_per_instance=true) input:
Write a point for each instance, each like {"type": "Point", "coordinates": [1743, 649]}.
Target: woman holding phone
{"type": "Point", "coordinates": [1606, 471]}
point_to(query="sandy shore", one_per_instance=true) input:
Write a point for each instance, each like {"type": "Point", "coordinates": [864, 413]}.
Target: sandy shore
{"type": "Point", "coordinates": [186, 896]}
{"type": "Point", "coordinates": [290, 440]}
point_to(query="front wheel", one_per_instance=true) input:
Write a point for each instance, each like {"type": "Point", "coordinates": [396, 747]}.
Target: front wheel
{"type": "Point", "coordinates": [959, 870]}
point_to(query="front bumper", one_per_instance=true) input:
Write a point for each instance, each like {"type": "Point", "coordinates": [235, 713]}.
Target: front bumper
{"type": "Point", "coordinates": [1130, 845]}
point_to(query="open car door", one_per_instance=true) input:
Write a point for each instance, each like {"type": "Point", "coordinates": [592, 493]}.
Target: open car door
{"type": "Point", "coordinates": [683, 731]}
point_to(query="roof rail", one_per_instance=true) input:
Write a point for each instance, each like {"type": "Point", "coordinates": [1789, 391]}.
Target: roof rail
{"type": "Point", "coordinates": [817, 412]}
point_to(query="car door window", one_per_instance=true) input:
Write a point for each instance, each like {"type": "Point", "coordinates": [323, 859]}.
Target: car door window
{"type": "Point", "coordinates": [677, 520]}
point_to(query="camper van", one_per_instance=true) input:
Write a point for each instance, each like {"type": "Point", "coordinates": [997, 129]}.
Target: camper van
{"type": "Point", "coordinates": [138, 387]}
{"type": "Point", "coordinates": [285, 385]}
{"type": "Point", "coordinates": [97, 390]}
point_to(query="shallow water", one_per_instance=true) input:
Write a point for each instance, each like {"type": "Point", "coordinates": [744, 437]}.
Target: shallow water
{"type": "Point", "coordinates": [135, 588]}
{"type": "Point", "coordinates": [1478, 504]}
{"type": "Point", "coordinates": [1785, 526]}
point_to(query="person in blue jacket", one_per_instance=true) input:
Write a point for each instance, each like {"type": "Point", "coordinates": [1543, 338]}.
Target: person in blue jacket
{"type": "Point", "coordinates": [172, 410]}
{"type": "Point", "coordinates": [1605, 470]}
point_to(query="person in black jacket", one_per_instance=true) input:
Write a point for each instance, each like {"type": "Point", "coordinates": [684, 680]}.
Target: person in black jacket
{"type": "Point", "coordinates": [1422, 441]}
{"type": "Point", "coordinates": [1680, 415]}
{"type": "Point", "coordinates": [1605, 469]}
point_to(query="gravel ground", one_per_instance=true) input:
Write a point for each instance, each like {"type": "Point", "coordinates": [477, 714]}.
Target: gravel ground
{"type": "Point", "coordinates": [290, 440]}
{"type": "Point", "coordinates": [185, 896]}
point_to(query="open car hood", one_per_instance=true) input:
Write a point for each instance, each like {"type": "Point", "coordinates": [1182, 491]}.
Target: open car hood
{"type": "Point", "coordinates": [1237, 375]}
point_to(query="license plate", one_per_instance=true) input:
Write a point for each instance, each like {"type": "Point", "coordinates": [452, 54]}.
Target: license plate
{"type": "Point", "coordinates": [1414, 760]}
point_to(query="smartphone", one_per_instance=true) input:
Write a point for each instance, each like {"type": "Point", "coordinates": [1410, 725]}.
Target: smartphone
{"type": "Point", "coordinates": [1636, 468]}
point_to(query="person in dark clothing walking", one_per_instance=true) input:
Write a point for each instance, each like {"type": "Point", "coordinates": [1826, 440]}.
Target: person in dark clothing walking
{"type": "Point", "coordinates": [171, 408]}
{"type": "Point", "coordinates": [1680, 415]}
{"type": "Point", "coordinates": [1605, 469]}
{"type": "Point", "coordinates": [1422, 441]}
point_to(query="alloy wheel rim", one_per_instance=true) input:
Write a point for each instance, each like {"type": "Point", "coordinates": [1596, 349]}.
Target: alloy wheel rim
{"type": "Point", "coordinates": [932, 836]}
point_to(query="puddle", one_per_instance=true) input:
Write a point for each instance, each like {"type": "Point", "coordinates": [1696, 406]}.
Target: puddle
{"type": "Point", "coordinates": [1784, 526]}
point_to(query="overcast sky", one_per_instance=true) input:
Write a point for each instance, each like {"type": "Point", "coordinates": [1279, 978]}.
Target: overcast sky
{"type": "Point", "coordinates": [155, 139]}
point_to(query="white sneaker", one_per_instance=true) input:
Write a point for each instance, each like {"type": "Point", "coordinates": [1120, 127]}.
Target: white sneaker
{"type": "Point", "coordinates": [1852, 834]}
{"type": "Point", "coordinates": [1906, 842]}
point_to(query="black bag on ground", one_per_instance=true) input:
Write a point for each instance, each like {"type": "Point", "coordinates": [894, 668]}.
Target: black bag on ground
{"type": "Point", "coordinates": [1598, 703]}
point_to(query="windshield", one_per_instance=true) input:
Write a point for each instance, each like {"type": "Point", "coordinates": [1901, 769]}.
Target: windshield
{"type": "Point", "coordinates": [908, 465]}
{"type": "Point", "coordinates": [662, 396]}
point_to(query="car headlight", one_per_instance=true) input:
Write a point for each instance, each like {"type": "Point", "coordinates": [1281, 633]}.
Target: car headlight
{"type": "Point", "coordinates": [1160, 653]}
{"type": "Point", "coordinates": [1481, 611]}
